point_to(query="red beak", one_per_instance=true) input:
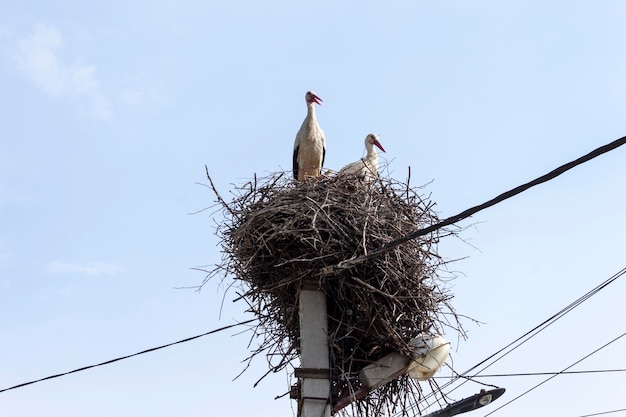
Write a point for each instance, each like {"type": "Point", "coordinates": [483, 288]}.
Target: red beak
{"type": "Point", "coordinates": [316, 99]}
{"type": "Point", "coordinates": [377, 143]}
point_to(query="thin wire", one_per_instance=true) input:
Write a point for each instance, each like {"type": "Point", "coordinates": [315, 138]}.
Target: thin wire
{"type": "Point", "coordinates": [554, 376]}
{"type": "Point", "coordinates": [387, 247]}
{"type": "Point", "coordinates": [597, 371]}
{"type": "Point", "coordinates": [525, 337]}
{"type": "Point", "coordinates": [532, 333]}
{"type": "Point", "coordinates": [605, 412]}
{"type": "Point", "coordinates": [84, 368]}
{"type": "Point", "coordinates": [473, 210]}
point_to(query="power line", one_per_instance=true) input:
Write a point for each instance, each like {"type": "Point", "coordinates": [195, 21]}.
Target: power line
{"type": "Point", "coordinates": [596, 371]}
{"type": "Point", "coordinates": [525, 337]}
{"type": "Point", "coordinates": [387, 247]}
{"type": "Point", "coordinates": [554, 376]}
{"type": "Point", "coordinates": [533, 332]}
{"type": "Point", "coordinates": [349, 263]}
{"type": "Point", "coordinates": [604, 412]}
{"type": "Point", "coordinates": [84, 368]}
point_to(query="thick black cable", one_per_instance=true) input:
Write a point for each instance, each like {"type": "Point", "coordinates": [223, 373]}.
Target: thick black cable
{"type": "Point", "coordinates": [84, 368]}
{"type": "Point", "coordinates": [473, 210]}
{"type": "Point", "coordinates": [387, 247]}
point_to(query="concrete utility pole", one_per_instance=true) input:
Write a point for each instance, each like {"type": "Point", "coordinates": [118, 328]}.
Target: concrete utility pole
{"type": "Point", "coordinates": [314, 374]}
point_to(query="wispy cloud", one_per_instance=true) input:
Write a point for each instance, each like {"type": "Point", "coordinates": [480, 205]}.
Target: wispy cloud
{"type": "Point", "coordinates": [135, 98]}
{"type": "Point", "coordinates": [92, 269]}
{"type": "Point", "coordinates": [140, 90]}
{"type": "Point", "coordinates": [38, 57]}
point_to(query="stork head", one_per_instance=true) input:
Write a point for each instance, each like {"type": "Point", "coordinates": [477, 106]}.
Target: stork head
{"type": "Point", "coordinates": [372, 139]}
{"type": "Point", "coordinates": [311, 97]}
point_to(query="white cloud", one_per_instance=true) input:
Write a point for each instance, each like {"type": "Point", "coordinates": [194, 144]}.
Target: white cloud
{"type": "Point", "coordinates": [38, 56]}
{"type": "Point", "coordinates": [133, 98]}
{"type": "Point", "coordinates": [96, 268]}
{"type": "Point", "coordinates": [84, 83]}
{"type": "Point", "coordinates": [141, 90]}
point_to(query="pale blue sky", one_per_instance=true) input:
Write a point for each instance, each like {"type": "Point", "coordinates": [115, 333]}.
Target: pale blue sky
{"type": "Point", "coordinates": [110, 111]}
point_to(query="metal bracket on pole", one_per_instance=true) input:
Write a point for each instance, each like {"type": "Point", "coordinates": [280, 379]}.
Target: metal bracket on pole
{"type": "Point", "coordinates": [315, 373]}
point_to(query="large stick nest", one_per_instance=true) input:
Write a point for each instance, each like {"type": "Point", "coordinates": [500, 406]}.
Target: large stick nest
{"type": "Point", "coordinates": [279, 236]}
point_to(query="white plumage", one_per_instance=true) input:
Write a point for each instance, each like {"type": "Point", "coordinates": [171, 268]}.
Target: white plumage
{"type": "Point", "coordinates": [309, 149]}
{"type": "Point", "coordinates": [367, 167]}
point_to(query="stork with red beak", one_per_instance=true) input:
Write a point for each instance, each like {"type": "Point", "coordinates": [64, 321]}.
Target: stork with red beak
{"type": "Point", "coordinates": [309, 149]}
{"type": "Point", "coordinates": [366, 168]}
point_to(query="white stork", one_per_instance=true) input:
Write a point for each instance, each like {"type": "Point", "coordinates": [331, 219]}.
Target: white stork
{"type": "Point", "coordinates": [367, 167]}
{"type": "Point", "coordinates": [309, 149]}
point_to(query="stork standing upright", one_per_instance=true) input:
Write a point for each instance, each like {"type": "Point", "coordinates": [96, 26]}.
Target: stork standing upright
{"type": "Point", "coordinates": [309, 149]}
{"type": "Point", "coordinates": [367, 167]}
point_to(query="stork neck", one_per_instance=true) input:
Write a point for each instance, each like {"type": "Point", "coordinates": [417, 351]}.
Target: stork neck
{"type": "Point", "coordinates": [310, 119]}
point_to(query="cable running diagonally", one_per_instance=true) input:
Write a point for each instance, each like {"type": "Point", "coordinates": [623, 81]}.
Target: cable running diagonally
{"type": "Point", "coordinates": [501, 353]}
{"type": "Point", "coordinates": [554, 376]}
{"type": "Point", "coordinates": [604, 412]}
{"type": "Point", "coordinates": [84, 368]}
{"type": "Point", "coordinates": [592, 371]}
{"type": "Point", "coordinates": [349, 263]}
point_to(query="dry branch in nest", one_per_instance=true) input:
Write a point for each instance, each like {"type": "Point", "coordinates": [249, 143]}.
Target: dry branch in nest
{"type": "Point", "coordinates": [278, 235]}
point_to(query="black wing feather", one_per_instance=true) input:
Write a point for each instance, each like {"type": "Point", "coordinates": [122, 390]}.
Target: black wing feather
{"type": "Point", "coordinates": [295, 162]}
